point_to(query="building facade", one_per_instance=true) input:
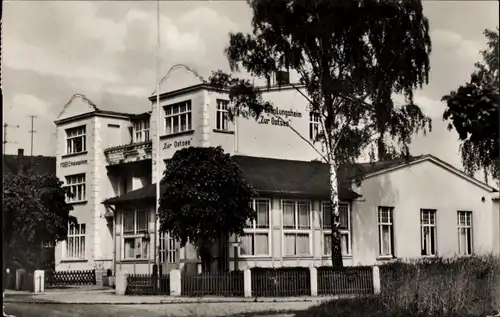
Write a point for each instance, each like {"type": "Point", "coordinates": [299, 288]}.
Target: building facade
{"type": "Point", "coordinates": [403, 209]}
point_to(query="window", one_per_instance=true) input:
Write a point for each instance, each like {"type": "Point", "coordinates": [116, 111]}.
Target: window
{"type": "Point", "coordinates": [297, 227]}
{"type": "Point", "coordinates": [256, 240]}
{"type": "Point", "coordinates": [428, 232]}
{"type": "Point", "coordinates": [314, 125]}
{"type": "Point", "coordinates": [168, 252]}
{"type": "Point", "coordinates": [141, 131]}
{"type": "Point", "coordinates": [76, 185]}
{"type": "Point", "coordinates": [178, 117]}
{"type": "Point", "coordinates": [385, 231]}
{"type": "Point", "coordinates": [344, 228]}
{"type": "Point", "coordinates": [135, 233]}
{"type": "Point", "coordinates": [76, 140]}
{"type": "Point", "coordinates": [464, 222]}
{"type": "Point", "coordinates": [222, 115]}
{"type": "Point", "coordinates": [75, 248]}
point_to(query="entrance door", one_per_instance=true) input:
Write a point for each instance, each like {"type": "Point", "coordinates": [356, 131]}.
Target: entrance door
{"type": "Point", "coordinates": [169, 253]}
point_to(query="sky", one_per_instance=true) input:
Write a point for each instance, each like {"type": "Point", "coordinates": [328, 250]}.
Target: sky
{"type": "Point", "coordinates": [107, 51]}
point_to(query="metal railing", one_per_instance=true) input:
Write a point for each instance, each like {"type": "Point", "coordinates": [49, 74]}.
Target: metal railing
{"type": "Point", "coordinates": [119, 154]}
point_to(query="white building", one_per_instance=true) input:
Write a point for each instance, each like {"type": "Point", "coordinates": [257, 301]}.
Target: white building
{"type": "Point", "coordinates": [424, 207]}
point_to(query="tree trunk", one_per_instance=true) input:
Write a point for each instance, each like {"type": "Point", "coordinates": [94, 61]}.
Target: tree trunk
{"type": "Point", "coordinates": [206, 257]}
{"type": "Point", "coordinates": [381, 147]}
{"type": "Point", "coordinates": [223, 253]}
{"type": "Point", "coordinates": [334, 200]}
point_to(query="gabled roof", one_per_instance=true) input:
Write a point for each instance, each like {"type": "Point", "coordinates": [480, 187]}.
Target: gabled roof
{"type": "Point", "coordinates": [302, 179]}
{"type": "Point", "coordinates": [269, 177]}
{"type": "Point", "coordinates": [106, 111]}
{"type": "Point", "coordinates": [388, 166]}
{"type": "Point", "coordinates": [40, 165]}
{"type": "Point", "coordinates": [280, 177]}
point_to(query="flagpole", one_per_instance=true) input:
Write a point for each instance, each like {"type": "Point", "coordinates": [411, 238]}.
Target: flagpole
{"type": "Point", "coordinates": [158, 130]}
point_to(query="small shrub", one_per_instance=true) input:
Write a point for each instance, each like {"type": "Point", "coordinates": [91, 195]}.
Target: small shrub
{"type": "Point", "coordinates": [467, 285]}
{"type": "Point", "coordinates": [455, 287]}
{"type": "Point", "coordinates": [372, 306]}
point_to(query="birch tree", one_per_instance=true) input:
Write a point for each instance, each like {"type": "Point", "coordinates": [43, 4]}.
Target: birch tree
{"type": "Point", "coordinates": [351, 58]}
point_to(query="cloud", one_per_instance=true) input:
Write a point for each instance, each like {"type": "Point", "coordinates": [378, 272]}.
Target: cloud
{"type": "Point", "coordinates": [20, 55]}
{"type": "Point", "coordinates": [208, 18]}
{"type": "Point", "coordinates": [431, 107]}
{"type": "Point", "coordinates": [29, 104]}
{"type": "Point", "coordinates": [107, 50]}
{"type": "Point", "coordinates": [17, 115]}
{"type": "Point", "coordinates": [452, 42]}
{"type": "Point", "coordinates": [86, 42]}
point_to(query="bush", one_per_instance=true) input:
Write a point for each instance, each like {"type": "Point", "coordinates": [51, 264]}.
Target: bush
{"type": "Point", "coordinates": [465, 285]}
{"type": "Point", "coordinates": [457, 287]}
{"type": "Point", "coordinates": [372, 306]}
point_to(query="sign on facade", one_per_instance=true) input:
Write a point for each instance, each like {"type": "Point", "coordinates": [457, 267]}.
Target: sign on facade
{"type": "Point", "coordinates": [73, 163]}
{"type": "Point", "coordinates": [176, 144]}
{"type": "Point", "coordinates": [281, 114]}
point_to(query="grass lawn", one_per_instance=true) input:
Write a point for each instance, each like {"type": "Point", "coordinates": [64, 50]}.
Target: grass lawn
{"type": "Point", "coordinates": [371, 307]}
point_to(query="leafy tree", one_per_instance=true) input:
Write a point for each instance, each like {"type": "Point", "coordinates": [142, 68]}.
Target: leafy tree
{"type": "Point", "coordinates": [205, 199]}
{"type": "Point", "coordinates": [345, 54]}
{"type": "Point", "coordinates": [36, 215]}
{"type": "Point", "coordinates": [473, 110]}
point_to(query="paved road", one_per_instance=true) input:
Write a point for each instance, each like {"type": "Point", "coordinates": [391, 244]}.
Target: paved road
{"type": "Point", "coordinates": [163, 310]}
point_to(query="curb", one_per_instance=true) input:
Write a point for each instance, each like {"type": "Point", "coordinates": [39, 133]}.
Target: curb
{"type": "Point", "coordinates": [161, 302]}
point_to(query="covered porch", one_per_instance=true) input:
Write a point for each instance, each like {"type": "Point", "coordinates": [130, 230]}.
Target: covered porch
{"type": "Point", "coordinates": [280, 182]}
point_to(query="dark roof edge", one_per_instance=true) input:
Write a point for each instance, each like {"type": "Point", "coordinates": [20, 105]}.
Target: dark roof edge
{"type": "Point", "coordinates": [438, 161]}
{"type": "Point", "coordinates": [99, 113]}
{"type": "Point", "coordinates": [116, 200]}
{"type": "Point", "coordinates": [209, 87]}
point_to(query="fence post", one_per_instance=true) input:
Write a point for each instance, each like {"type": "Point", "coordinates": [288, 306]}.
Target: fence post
{"type": "Point", "coordinates": [376, 279]}
{"type": "Point", "coordinates": [175, 283]}
{"type": "Point", "coordinates": [20, 275]}
{"type": "Point", "coordinates": [313, 273]}
{"type": "Point", "coordinates": [247, 282]}
{"type": "Point", "coordinates": [98, 278]}
{"type": "Point", "coordinates": [39, 281]}
{"type": "Point", "coordinates": [121, 283]}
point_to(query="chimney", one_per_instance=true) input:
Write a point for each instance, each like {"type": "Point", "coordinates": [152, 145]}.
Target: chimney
{"type": "Point", "coordinates": [20, 161]}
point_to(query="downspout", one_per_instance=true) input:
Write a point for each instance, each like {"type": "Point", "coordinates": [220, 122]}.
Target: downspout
{"type": "Point", "coordinates": [114, 236]}
{"type": "Point", "coordinates": [313, 233]}
{"type": "Point", "coordinates": [114, 241]}
{"type": "Point", "coordinates": [322, 234]}
{"type": "Point", "coordinates": [236, 135]}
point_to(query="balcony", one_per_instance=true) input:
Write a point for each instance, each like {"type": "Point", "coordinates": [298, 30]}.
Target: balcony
{"type": "Point", "coordinates": [128, 153]}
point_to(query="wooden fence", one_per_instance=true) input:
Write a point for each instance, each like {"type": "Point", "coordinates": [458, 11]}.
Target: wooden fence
{"type": "Point", "coordinates": [349, 281]}
{"type": "Point", "coordinates": [256, 282]}
{"type": "Point", "coordinates": [148, 284]}
{"type": "Point", "coordinates": [280, 282]}
{"type": "Point", "coordinates": [213, 284]}
{"type": "Point", "coordinates": [69, 278]}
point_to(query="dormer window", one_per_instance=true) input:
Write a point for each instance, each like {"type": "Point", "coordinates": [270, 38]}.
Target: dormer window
{"type": "Point", "coordinates": [141, 131]}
